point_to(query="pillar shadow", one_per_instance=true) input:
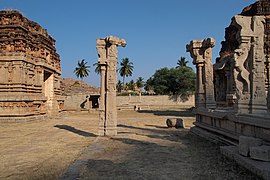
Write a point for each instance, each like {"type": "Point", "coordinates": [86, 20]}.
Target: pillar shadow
{"type": "Point", "coordinates": [76, 131]}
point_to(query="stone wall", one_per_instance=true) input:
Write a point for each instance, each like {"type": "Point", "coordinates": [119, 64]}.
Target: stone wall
{"type": "Point", "coordinates": [76, 102]}
{"type": "Point", "coordinates": [148, 102]}
{"type": "Point", "coordinates": [80, 101]}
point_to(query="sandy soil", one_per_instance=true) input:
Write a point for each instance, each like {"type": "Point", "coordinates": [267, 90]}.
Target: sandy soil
{"type": "Point", "coordinates": [44, 149]}
{"type": "Point", "coordinates": [144, 149]}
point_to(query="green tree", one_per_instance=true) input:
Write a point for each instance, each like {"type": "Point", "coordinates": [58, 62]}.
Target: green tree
{"type": "Point", "coordinates": [82, 70]}
{"type": "Point", "coordinates": [175, 81]}
{"type": "Point", "coordinates": [181, 62]}
{"type": "Point", "coordinates": [139, 83]}
{"type": "Point", "coordinates": [97, 68]}
{"type": "Point", "coordinates": [126, 68]}
{"type": "Point", "coordinates": [119, 86]}
{"type": "Point", "coordinates": [131, 85]}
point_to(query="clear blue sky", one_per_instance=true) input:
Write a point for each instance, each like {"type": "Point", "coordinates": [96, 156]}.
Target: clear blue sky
{"type": "Point", "coordinates": [156, 31]}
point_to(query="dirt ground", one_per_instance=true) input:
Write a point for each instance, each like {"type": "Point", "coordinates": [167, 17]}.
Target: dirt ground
{"type": "Point", "coordinates": [144, 149]}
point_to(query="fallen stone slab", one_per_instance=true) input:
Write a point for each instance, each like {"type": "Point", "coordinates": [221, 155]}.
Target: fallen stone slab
{"type": "Point", "coordinates": [246, 142]}
{"type": "Point", "coordinates": [259, 168]}
{"type": "Point", "coordinates": [175, 122]}
{"type": "Point", "coordinates": [261, 153]}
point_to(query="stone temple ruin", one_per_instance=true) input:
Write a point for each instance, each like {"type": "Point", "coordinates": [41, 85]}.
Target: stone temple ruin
{"type": "Point", "coordinates": [30, 69]}
{"type": "Point", "coordinates": [107, 59]}
{"type": "Point", "coordinates": [233, 95]}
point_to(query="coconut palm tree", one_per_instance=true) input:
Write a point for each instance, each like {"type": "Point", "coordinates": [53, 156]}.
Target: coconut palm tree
{"type": "Point", "coordinates": [181, 62]}
{"type": "Point", "coordinates": [139, 83]}
{"type": "Point", "coordinates": [131, 85]}
{"type": "Point", "coordinates": [82, 70]}
{"type": "Point", "coordinates": [126, 68]}
{"type": "Point", "coordinates": [98, 68]}
{"type": "Point", "coordinates": [119, 86]}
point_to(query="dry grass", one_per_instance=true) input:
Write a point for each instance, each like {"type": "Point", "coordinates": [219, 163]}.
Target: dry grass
{"type": "Point", "coordinates": [144, 149]}
{"type": "Point", "coordinates": [44, 149]}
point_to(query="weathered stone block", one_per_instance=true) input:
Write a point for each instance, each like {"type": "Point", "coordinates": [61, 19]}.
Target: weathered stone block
{"type": "Point", "coordinates": [246, 142]}
{"type": "Point", "coordinates": [260, 153]}
{"type": "Point", "coordinates": [175, 122]}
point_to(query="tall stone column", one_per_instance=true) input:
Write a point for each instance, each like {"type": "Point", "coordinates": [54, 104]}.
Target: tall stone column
{"type": "Point", "coordinates": [201, 52]}
{"type": "Point", "coordinates": [267, 78]}
{"type": "Point", "coordinates": [102, 100]}
{"type": "Point", "coordinates": [101, 48]}
{"type": "Point", "coordinates": [107, 53]}
{"type": "Point", "coordinates": [268, 99]}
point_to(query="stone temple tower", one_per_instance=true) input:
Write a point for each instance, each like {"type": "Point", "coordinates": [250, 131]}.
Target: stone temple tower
{"type": "Point", "coordinates": [29, 69]}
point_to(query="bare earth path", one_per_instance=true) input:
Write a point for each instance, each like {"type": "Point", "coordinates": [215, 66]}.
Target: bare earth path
{"type": "Point", "coordinates": [144, 149]}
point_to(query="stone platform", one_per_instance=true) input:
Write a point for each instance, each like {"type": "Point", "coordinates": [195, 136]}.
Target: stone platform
{"type": "Point", "coordinates": [260, 168]}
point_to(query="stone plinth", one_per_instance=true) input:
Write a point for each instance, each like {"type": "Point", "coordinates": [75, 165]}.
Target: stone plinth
{"type": "Point", "coordinates": [29, 69]}
{"type": "Point", "coordinates": [245, 143]}
{"type": "Point", "coordinates": [261, 153]}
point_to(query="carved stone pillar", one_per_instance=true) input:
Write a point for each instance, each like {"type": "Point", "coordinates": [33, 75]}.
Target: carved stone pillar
{"type": "Point", "coordinates": [249, 64]}
{"type": "Point", "coordinates": [201, 52]}
{"type": "Point", "coordinates": [102, 100]}
{"type": "Point", "coordinates": [200, 95]}
{"type": "Point", "coordinates": [268, 99]}
{"type": "Point", "coordinates": [107, 53]}
{"type": "Point", "coordinates": [267, 74]}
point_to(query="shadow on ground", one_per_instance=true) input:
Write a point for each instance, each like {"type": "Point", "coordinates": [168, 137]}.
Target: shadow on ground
{"type": "Point", "coordinates": [184, 113]}
{"type": "Point", "coordinates": [143, 155]}
{"type": "Point", "coordinates": [76, 131]}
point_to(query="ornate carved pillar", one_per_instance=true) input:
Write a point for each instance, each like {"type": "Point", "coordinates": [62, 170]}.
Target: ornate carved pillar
{"type": "Point", "coordinates": [102, 100]}
{"type": "Point", "coordinates": [201, 52]}
{"type": "Point", "coordinates": [101, 48]}
{"type": "Point", "coordinates": [249, 64]}
{"type": "Point", "coordinates": [107, 52]}
{"type": "Point", "coordinates": [267, 78]}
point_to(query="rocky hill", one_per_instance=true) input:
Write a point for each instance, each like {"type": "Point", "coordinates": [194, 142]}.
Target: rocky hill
{"type": "Point", "coordinates": [72, 86]}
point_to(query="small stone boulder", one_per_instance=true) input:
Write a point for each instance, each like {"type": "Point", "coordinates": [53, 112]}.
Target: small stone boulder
{"type": "Point", "coordinates": [175, 122]}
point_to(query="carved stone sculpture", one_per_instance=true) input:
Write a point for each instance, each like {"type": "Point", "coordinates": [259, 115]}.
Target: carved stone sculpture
{"type": "Point", "coordinates": [107, 59]}
{"type": "Point", "coordinates": [241, 83]}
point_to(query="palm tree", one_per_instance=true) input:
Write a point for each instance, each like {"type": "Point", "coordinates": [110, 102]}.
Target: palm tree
{"type": "Point", "coordinates": [126, 68]}
{"type": "Point", "coordinates": [139, 83]}
{"type": "Point", "coordinates": [81, 70]}
{"type": "Point", "coordinates": [131, 85]}
{"type": "Point", "coordinates": [119, 86]}
{"type": "Point", "coordinates": [98, 68]}
{"type": "Point", "coordinates": [181, 62]}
